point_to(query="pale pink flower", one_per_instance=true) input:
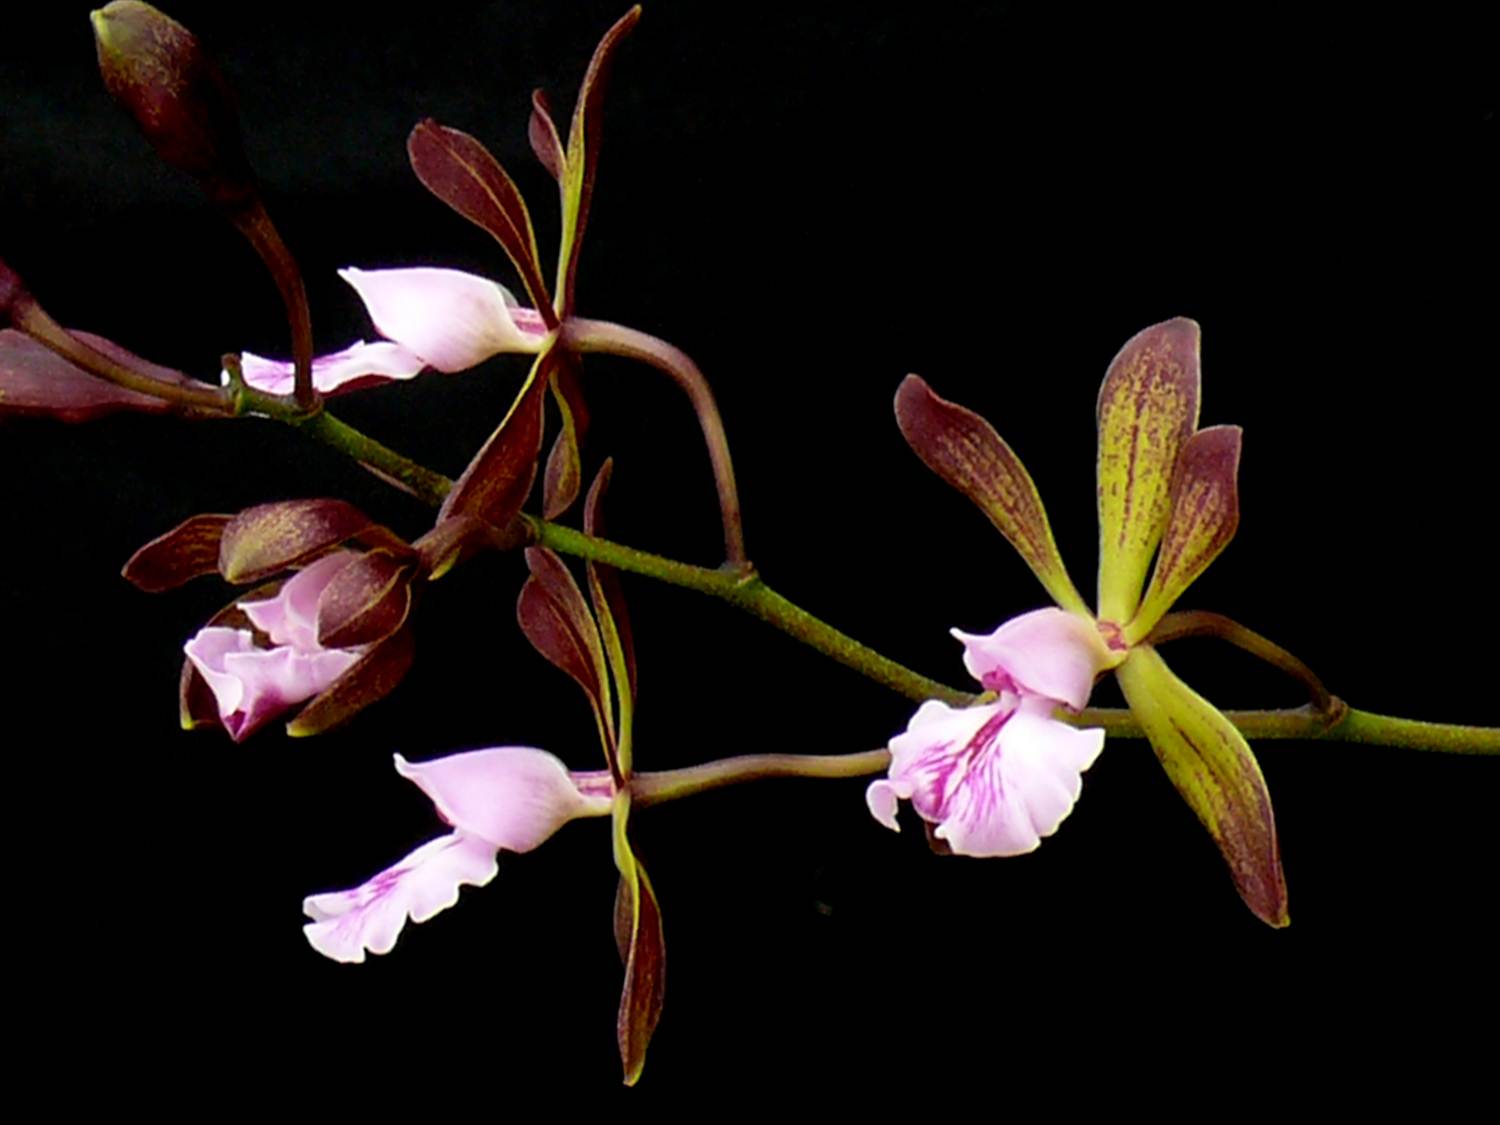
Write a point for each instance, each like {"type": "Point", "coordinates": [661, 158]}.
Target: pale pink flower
{"type": "Point", "coordinates": [997, 777]}
{"type": "Point", "coordinates": [252, 685]}
{"type": "Point", "coordinates": [444, 319]}
{"type": "Point", "coordinates": [509, 798]}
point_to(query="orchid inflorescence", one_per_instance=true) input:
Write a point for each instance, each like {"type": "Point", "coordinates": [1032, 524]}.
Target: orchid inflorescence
{"type": "Point", "coordinates": [323, 627]}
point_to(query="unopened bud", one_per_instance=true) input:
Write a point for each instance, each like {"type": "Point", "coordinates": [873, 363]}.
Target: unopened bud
{"type": "Point", "coordinates": [156, 69]}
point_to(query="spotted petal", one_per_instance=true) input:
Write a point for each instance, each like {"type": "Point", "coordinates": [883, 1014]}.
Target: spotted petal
{"type": "Point", "coordinates": [1148, 407]}
{"type": "Point", "coordinates": [347, 924]}
{"type": "Point", "coordinates": [1211, 765]}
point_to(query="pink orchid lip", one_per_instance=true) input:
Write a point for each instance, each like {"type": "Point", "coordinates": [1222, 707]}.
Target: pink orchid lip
{"type": "Point", "coordinates": [369, 918]}
{"type": "Point", "coordinates": [995, 779]}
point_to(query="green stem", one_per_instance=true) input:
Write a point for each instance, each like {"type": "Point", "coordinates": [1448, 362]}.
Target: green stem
{"type": "Point", "coordinates": [1309, 724]}
{"type": "Point", "coordinates": [1303, 723]}
{"type": "Point", "coordinates": [1336, 723]}
{"type": "Point", "coordinates": [1198, 623]}
{"type": "Point", "coordinates": [421, 482]}
{"type": "Point", "coordinates": [749, 593]}
{"type": "Point", "coordinates": [668, 785]}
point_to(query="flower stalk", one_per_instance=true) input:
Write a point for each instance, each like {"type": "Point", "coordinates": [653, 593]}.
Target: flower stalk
{"type": "Point", "coordinates": [614, 339]}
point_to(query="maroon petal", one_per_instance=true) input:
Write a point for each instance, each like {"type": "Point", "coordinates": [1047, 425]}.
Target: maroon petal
{"type": "Point", "coordinates": [366, 601]}
{"type": "Point", "coordinates": [964, 449]}
{"type": "Point", "coordinates": [639, 936]}
{"type": "Point", "coordinates": [372, 679]}
{"type": "Point", "coordinates": [187, 551]}
{"type": "Point", "coordinates": [496, 483]}
{"type": "Point", "coordinates": [545, 142]}
{"type": "Point", "coordinates": [460, 171]}
{"type": "Point", "coordinates": [583, 153]}
{"type": "Point", "coordinates": [563, 479]}
{"type": "Point", "coordinates": [36, 380]}
{"type": "Point", "coordinates": [556, 620]}
{"type": "Point", "coordinates": [268, 538]}
{"type": "Point", "coordinates": [1205, 511]}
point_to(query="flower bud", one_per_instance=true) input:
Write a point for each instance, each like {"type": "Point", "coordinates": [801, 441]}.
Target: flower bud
{"type": "Point", "coordinates": [155, 68]}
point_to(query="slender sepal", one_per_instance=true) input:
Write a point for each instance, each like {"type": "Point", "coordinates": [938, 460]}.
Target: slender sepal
{"type": "Point", "coordinates": [188, 551]}
{"type": "Point", "coordinates": [1211, 765]}
{"type": "Point", "coordinates": [541, 131]}
{"type": "Point", "coordinates": [496, 483]}
{"type": "Point", "coordinates": [556, 620]}
{"type": "Point", "coordinates": [638, 934]}
{"type": "Point", "coordinates": [614, 620]}
{"type": "Point", "coordinates": [964, 449]}
{"type": "Point", "coordinates": [1148, 408]}
{"type": "Point", "coordinates": [563, 478]}
{"type": "Point", "coordinates": [581, 164]}
{"type": "Point", "coordinates": [1205, 507]}
{"type": "Point", "coordinates": [371, 679]}
{"type": "Point", "coordinates": [36, 380]}
{"type": "Point", "coordinates": [460, 171]}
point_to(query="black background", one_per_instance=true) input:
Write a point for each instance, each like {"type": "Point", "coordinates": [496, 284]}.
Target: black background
{"type": "Point", "coordinates": [812, 200]}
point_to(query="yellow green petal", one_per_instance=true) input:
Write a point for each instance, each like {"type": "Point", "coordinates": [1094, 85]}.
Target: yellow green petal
{"type": "Point", "coordinates": [1211, 765]}
{"type": "Point", "coordinates": [1148, 407]}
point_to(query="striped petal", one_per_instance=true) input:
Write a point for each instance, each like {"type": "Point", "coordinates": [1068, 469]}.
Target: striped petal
{"type": "Point", "coordinates": [964, 449]}
{"type": "Point", "coordinates": [369, 918]}
{"type": "Point", "coordinates": [1211, 765]}
{"type": "Point", "coordinates": [1148, 408]}
{"type": "Point", "coordinates": [1205, 513]}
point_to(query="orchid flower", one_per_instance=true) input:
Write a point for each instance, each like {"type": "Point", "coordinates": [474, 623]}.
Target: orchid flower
{"type": "Point", "coordinates": [1166, 490]}
{"type": "Point", "coordinates": [439, 318]}
{"type": "Point", "coordinates": [998, 777]}
{"type": "Point", "coordinates": [251, 684]}
{"type": "Point", "coordinates": [509, 798]}
{"type": "Point", "coordinates": [336, 632]}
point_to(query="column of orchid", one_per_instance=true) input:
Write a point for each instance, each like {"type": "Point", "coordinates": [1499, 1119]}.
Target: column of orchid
{"type": "Point", "coordinates": [321, 628]}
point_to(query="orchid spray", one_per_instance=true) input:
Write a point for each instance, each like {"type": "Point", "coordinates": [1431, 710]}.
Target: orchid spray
{"type": "Point", "coordinates": [315, 601]}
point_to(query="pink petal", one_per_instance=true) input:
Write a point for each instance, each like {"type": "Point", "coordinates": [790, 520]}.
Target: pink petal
{"type": "Point", "coordinates": [291, 617]}
{"type": "Point", "coordinates": [358, 365]}
{"type": "Point", "coordinates": [995, 779]}
{"type": "Point", "coordinates": [882, 797]}
{"type": "Point", "coordinates": [1022, 786]}
{"type": "Point", "coordinates": [251, 685]}
{"type": "Point", "coordinates": [513, 796]}
{"type": "Point", "coordinates": [1048, 652]}
{"type": "Point", "coordinates": [453, 320]}
{"type": "Point", "coordinates": [346, 924]}
{"type": "Point", "coordinates": [929, 762]}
